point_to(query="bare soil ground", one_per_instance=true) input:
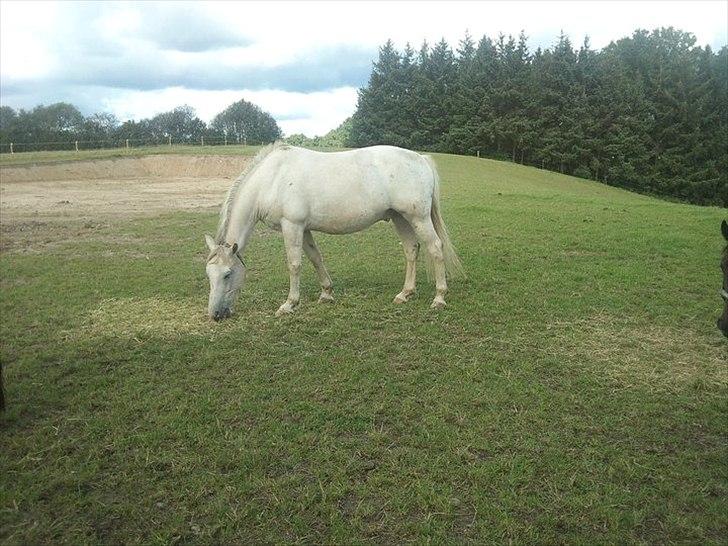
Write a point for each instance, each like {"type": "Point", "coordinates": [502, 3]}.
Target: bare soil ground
{"type": "Point", "coordinates": [45, 204]}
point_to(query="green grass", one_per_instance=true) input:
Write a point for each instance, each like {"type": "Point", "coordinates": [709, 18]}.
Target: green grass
{"type": "Point", "coordinates": [34, 158]}
{"type": "Point", "coordinates": [573, 391]}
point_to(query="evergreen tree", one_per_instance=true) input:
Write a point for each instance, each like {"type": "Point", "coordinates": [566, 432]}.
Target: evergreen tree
{"type": "Point", "coordinates": [378, 116]}
{"type": "Point", "coordinates": [648, 112]}
{"type": "Point", "coordinates": [466, 95]}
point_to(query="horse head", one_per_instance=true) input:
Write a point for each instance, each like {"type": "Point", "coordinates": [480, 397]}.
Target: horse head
{"type": "Point", "coordinates": [226, 272]}
{"type": "Point", "coordinates": [723, 320]}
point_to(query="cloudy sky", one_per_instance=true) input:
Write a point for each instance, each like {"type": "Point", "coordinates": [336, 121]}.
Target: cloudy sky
{"type": "Point", "coordinates": [300, 61]}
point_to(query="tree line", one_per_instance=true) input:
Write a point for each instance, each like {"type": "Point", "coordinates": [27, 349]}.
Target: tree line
{"type": "Point", "coordinates": [648, 112]}
{"type": "Point", "coordinates": [335, 138]}
{"type": "Point", "coordinates": [59, 125]}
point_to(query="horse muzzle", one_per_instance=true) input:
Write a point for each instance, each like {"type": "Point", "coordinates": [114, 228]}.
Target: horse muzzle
{"type": "Point", "coordinates": [723, 320]}
{"type": "Point", "coordinates": [723, 327]}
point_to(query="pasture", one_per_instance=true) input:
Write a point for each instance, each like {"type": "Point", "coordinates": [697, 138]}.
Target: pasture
{"type": "Point", "coordinates": [573, 390]}
{"type": "Point", "coordinates": [46, 157]}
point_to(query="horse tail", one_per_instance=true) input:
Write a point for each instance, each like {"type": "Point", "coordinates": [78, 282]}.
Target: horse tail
{"type": "Point", "coordinates": [453, 266]}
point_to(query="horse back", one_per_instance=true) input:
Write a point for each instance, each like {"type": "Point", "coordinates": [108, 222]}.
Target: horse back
{"type": "Point", "coordinates": [343, 192]}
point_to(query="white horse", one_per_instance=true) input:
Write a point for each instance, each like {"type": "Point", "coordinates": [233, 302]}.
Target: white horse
{"type": "Point", "coordinates": [298, 191]}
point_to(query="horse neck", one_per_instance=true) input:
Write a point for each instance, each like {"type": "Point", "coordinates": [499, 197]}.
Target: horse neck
{"type": "Point", "coordinates": [243, 216]}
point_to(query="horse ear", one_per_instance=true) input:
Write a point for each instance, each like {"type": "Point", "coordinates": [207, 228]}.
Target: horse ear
{"type": "Point", "coordinates": [235, 248]}
{"type": "Point", "coordinates": [724, 229]}
{"type": "Point", "coordinates": [210, 242]}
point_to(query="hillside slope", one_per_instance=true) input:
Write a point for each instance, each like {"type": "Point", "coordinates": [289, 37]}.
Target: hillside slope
{"type": "Point", "coordinates": [573, 390]}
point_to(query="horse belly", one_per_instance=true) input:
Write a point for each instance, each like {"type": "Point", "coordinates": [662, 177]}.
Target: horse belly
{"type": "Point", "coordinates": [340, 214]}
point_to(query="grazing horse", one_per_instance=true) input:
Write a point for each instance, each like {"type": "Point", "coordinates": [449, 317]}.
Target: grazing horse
{"type": "Point", "coordinates": [298, 191]}
{"type": "Point", "coordinates": [723, 320]}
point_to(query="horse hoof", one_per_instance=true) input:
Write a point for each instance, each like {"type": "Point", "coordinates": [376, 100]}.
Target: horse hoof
{"type": "Point", "coordinates": [326, 298]}
{"type": "Point", "coordinates": [437, 304]}
{"type": "Point", "coordinates": [284, 309]}
{"type": "Point", "coordinates": [399, 298]}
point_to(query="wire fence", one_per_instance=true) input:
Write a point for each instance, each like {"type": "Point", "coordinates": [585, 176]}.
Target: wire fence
{"type": "Point", "coordinates": [79, 145]}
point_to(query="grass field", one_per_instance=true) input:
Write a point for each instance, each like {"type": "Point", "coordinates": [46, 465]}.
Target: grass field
{"type": "Point", "coordinates": [33, 158]}
{"type": "Point", "coordinates": [573, 391]}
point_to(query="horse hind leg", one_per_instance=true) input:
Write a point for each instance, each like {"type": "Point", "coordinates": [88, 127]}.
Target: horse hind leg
{"type": "Point", "coordinates": [314, 254]}
{"type": "Point", "coordinates": [411, 248]}
{"type": "Point", "coordinates": [426, 233]}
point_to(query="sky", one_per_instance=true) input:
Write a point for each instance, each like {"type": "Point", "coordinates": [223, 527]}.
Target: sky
{"type": "Point", "coordinates": [300, 61]}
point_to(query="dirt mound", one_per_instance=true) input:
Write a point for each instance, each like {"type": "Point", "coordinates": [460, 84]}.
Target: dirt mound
{"type": "Point", "coordinates": [44, 205]}
{"type": "Point", "coordinates": [151, 166]}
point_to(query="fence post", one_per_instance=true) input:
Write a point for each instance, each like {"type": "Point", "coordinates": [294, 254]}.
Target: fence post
{"type": "Point", "coordinates": [76, 145]}
{"type": "Point", "coordinates": [11, 148]}
{"type": "Point", "coordinates": [478, 154]}
{"type": "Point", "coordinates": [127, 143]}
{"type": "Point", "coordinates": [202, 141]}
{"type": "Point", "coordinates": [225, 140]}
{"type": "Point", "coordinates": [170, 139]}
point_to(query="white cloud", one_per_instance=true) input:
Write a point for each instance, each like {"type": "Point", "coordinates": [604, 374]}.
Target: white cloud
{"type": "Point", "coordinates": [308, 113]}
{"type": "Point", "coordinates": [23, 54]}
{"type": "Point", "coordinates": [280, 25]}
{"type": "Point", "coordinates": [106, 51]}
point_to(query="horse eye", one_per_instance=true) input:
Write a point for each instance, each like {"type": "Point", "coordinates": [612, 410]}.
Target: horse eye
{"type": "Point", "coordinates": [227, 275]}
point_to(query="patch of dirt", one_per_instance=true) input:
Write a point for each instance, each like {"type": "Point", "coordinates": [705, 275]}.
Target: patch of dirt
{"type": "Point", "coordinates": [49, 203]}
{"type": "Point", "coordinates": [165, 166]}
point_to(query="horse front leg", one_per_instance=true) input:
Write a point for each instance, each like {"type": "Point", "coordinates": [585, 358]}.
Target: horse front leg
{"type": "Point", "coordinates": [314, 254]}
{"type": "Point", "coordinates": [293, 239]}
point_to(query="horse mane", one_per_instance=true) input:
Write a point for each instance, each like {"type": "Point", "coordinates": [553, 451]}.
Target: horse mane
{"type": "Point", "coordinates": [239, 183]}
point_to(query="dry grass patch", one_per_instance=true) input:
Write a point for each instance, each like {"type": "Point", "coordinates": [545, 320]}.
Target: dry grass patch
{"type": "Point", "coordinates": [149, 317]}
{"type": "Point", "coordinates": [641, 355]}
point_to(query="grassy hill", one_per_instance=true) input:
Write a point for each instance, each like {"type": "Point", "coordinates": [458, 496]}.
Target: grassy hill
{"type": "Point", "coordinates": [572, 391]}
{"type": "Point", "coordinates": [34, 158]}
